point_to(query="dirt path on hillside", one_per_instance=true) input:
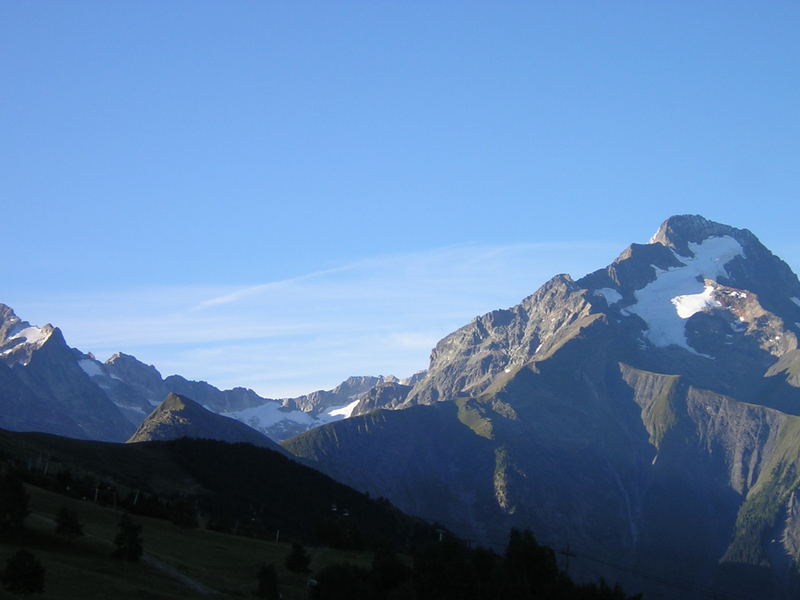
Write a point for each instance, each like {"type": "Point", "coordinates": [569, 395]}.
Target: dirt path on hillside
{"type": "Point", "coordinates": [175, 574]}
{"type": "Point", "coordinates": [150, 561]}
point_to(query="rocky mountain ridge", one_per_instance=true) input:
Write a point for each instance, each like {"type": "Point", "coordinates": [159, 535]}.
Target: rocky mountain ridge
{"type": "Point", "coordinates": [58, 389]}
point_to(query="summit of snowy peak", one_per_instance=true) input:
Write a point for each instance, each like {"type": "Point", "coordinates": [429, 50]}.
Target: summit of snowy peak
{"type": "Point", "coordinates": [679, 231]}
{"type": "Point", "coordinates": [18, 338]}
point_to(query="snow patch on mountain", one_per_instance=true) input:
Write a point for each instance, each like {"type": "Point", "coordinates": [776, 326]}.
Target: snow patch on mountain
{"type": "Point", "coordinates": [344, 411]}
{"type": "Point", "coordinates": [268, 414]}
{"type": "Point", "coordinates": [21, 339]}
{"type": "Point", "coordinates": [690, 304]}
{"type": "Point", "coordinates": [272, 414]}
{"type": "Point", "coordinates": [680, 292]}
{"type": "Point", "coordinates": [90, 367]}
{"type": "Point", "coordinates": [25, 333]}
{"type": "Point", "coordinates": [795, 300]}
{"type": "Point", "coordinates": [611, 295]}
{"type": "Point", "coordinates": [31, 335]}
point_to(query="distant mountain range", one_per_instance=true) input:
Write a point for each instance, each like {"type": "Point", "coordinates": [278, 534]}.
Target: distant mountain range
{"type": "Point", "coordinates": [648, 413]}
{"type": "Point", "coordinates": [47, 386]}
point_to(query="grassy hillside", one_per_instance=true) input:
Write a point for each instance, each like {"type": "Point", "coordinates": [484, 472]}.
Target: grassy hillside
{"type": "Point", "coordinates": [178, 563]}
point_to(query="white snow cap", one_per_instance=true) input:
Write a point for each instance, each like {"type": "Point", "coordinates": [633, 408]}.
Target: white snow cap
{"type": "Point", "coordinates": [680, 292]}
{"type": "Point", "coordinates": [23, 333]}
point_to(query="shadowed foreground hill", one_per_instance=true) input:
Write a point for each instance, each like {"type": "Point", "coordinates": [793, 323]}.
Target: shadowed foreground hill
{"type": "Point", "coordinates": [252, 492]}
{"type": "Point", "coordinates": [238, 486]}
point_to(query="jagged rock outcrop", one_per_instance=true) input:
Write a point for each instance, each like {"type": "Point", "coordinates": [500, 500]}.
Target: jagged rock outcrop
{"type": "Point", "coordinates": [344, 393]}
{"type": "Point", "coordinates": [390, 394]}
{"type": "Point", "coordinates": [468, 360]}
{"type": "Point", "coordinates": [217, 400]}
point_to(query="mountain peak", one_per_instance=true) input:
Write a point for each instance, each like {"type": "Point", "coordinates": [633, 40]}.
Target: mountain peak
{"type": "Point", "coordinates": [19, 338]}
{"type": "Point", "coordinates": [678, 231]}
{"type": "Point", "coordinates": [7, 313]}
{"type": "Point", "coordinates": [176, 402]}
{"type": "Point", "coordinates": [178, 416]}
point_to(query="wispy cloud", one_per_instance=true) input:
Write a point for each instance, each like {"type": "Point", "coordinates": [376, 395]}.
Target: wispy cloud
{"type": "Point", "coordinates": [272, 286]}
{"type": "Point", "coordinates": [379, 315]}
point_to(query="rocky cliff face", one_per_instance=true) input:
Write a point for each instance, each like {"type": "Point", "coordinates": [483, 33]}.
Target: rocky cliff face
{"type": "Point", "coordinates": [343, 394]}
{"type": "Point", "coordinates": [212, 397]}
{"type": "Point", "coordinates": [21, 409]}
{"type": "Point", "coordinates": [468, 360]}
{"type": "Point", "coordinates": [646, 411]}
{"type": "Point", "coordinates": [388, 394]}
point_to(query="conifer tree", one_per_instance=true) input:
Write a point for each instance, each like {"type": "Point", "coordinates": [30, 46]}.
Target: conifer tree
{"type": "Point", "coordinates": [184, 515]}
{"type": "Point", "coordinates": [67, 524]}
{"type": "Point", "coordinates": [268, 583]}
{"type": "Point", "coordinates": [529, 568]}
{"type": "Point", "coordinates": [13, 503]}
{"type": "Point", "coordinates": [343, 582]}
{"type": "Point", "coordinates": [128, 541]}
{"type": "Point", "coordinates": [23, 574]}
{"type": "Point", "coordinates": [298, 559]}
{"type": "Point", "coordinates": [387, 570]}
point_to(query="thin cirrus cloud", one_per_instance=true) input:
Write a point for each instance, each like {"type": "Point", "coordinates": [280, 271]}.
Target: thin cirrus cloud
{"type": "Point", "coordinates": [380, 315]}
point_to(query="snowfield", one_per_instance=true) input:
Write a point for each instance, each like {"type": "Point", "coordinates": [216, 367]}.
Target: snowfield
{"type": "Point", "coordinates": [680, 292]}
{"type": "Point", "coordinates": [24, 334]}
{"type": "Point", "coordinates": [343, 412]}
{"type": "Point", "coordinates": [271, 414]}
{"type": "Point", "coordinates": [90, 367]}
{"type": "Point", "coordinates": [611, 295]}
{"type": "Point", "coordinates": [694, 303]}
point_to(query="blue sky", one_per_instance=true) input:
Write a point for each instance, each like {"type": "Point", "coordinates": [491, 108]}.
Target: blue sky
{"type": "Point", "coordinates": [357, 179]}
